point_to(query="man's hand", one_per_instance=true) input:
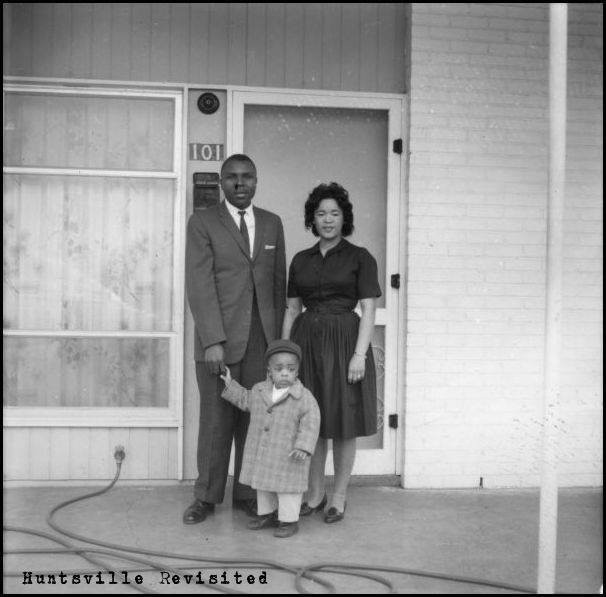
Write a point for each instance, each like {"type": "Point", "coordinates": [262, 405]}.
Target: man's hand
{"type": "Point", "coordinates": [298, 455]}
{"type": "Point", "coordinates": [213, 357]}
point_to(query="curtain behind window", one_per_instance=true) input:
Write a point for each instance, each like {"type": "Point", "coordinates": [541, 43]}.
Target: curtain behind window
{"type": "Point", "coordinates": [88, 260]}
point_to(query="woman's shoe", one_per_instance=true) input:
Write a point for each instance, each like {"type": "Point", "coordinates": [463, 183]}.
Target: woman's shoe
{"type": "Point", "coordinates": [333, 515]}
{"type": "Point", "coordinates": [306, 509]}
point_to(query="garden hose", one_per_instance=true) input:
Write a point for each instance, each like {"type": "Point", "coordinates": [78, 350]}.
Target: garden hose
{"type": "Point", "coordinates": [121, 552]}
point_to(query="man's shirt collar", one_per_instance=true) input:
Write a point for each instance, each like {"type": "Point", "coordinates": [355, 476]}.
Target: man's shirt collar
{"type": "Point", "coordinates": [233, 210]}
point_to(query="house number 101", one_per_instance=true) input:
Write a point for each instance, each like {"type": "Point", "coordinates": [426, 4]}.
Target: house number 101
{"type": "Point", "coordinates": [207, 152]}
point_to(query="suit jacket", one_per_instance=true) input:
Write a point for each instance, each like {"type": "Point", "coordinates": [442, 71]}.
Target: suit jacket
{"type": "Point", "coordinates": [221, 279]}
{"type": "Point", "coordinates": [275, 429]}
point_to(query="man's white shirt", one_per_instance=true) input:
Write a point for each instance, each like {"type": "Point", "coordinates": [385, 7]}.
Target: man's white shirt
{"type": "Point", "coordinates": [249, 218]}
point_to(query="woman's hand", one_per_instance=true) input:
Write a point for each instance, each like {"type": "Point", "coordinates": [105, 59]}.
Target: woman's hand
{"type": "Point", "coordinates": [357, 368]}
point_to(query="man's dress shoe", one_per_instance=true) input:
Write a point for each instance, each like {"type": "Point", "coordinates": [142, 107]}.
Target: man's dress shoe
{"type": "Point", "coordinates": [197, 512]}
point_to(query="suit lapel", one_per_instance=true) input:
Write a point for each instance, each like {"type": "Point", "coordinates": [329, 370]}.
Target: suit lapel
{"type": "Point", "coordinates": [259, 233]}
{"type": "Point", "coordinates": [230, 225]}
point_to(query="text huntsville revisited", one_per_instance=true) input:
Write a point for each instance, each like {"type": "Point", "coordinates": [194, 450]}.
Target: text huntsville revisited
{"type": "Point", "coordinates": [102, 577]}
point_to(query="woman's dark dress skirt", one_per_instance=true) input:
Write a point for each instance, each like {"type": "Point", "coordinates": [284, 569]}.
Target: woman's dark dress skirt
{"type": "Point", "coordinates": [328, 340]}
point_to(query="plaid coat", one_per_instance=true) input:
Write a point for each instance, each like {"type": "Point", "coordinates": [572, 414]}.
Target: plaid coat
{"type": "Point", "coordinates": [275, 429]}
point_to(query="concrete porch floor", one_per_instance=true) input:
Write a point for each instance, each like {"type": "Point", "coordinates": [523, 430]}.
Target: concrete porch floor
{"type": "Point", "coordinates": [486, 534]}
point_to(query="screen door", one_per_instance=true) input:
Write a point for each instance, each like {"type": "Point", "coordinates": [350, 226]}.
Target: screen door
{"type": "Point", "coordinates": [299, 141]}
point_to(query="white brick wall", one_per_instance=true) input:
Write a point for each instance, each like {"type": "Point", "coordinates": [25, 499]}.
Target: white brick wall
{"type": "Point", "coordinates": [476, 247]}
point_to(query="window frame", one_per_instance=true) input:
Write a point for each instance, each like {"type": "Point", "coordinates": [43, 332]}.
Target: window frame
{"type": "Point", "coordinates": [85, 416]}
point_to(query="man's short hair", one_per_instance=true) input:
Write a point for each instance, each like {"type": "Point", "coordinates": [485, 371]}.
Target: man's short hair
{"type": "Point", "coordinates": [237, 157]}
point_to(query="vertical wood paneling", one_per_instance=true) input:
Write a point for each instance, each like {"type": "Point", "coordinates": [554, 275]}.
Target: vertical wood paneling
{"type": "Point", "coordinates": [100, 457]}
{"type": "Point", "coordinates": [81, 31]}
{"type": "Point", "coordinates": [16, 454]}
{"type": "Point", "coordinates": [312, 46]}
{"type": "Point", "coordinates": [400, 61]}
{"type": "Point", "coordinates": [236, 44]}
{"type": "Point", "coordinates": [172, 456]}
{"type": "Point", "coordinates": [179, 41]}
{"type": "Point", "coordinates": [199, 40]}
{"type": "Point", "coordinates": [331, 46]}
{"type": "Point", "coordinates": [369, 46]}
{"type": "Point", "coordinates": [256, 47]}
{"type": "Point", "coordinates": [102, 42]}
{"type": "Point", "coordinates": [79, 450]}
{"type": "Point", "coordinates": [62, 30]}
{"type": "Point", "coordinates": [387, 41]}
{"type": "Point", "coordinates": [42, 35]}
{"type": "Point", "coordinates": [276, 56]}
{"type": "Point", "coordinates": [158, 454]}
{"type": "Point", "coordinates": [59, 453]}
{"type": "Point", "coordinates": [39, 447]}
{"type": "Point", "coordinates": [217, 48]}
{"type": "Point", "coordinates": [160, 42]}
{"type": "Point", "coordinates": [350, 46]}
{"type": "Point", "coordinates": [7, 27]}
{"type": "Point", "coordinates": [140, 48]}
{"type": "Point", "coordinates": [22, 15]}
{"type": "Point", "coordinates": [294, 35]}
{"type": "Point", "coordinates": [121, 34]}
{"type": "Point", "coordinates": [138, 448]}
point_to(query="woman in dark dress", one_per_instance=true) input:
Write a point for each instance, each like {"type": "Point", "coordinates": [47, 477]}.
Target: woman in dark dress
{"type": "Point", "coordinates": [329, 279]}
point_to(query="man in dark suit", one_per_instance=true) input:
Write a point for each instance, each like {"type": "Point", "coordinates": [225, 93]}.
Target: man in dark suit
{"type": "Point", "coordinates": [235, 281]}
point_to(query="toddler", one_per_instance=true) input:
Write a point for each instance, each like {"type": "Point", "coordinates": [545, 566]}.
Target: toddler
{"type": "Point", "coordinates": [282, 434]}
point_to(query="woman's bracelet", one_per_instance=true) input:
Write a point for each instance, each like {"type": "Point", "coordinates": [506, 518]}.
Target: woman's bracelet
{"type": "Point", "coordinates": [360, 355]}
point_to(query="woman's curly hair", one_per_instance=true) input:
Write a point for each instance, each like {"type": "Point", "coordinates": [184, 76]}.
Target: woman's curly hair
{"type": "Point", "coordinates": [329, 191]}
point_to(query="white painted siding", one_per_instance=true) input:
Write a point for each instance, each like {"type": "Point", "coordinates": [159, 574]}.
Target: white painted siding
{"type": "Point", "coordinates": [478, 192]}
{"type": "Point", "coordinates": [58, 453]}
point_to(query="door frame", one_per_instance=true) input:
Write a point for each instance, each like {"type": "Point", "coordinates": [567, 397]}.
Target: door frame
{"type": "Point", "coordinates": [390, 317]}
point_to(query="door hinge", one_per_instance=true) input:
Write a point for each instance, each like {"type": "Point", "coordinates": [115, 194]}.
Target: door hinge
{"type": "Point", "coordinates": [393, 421]}
{"type": "Point", "coordinates": [395, 280]}
{"type": "Point", "coordinates": [397, 146]}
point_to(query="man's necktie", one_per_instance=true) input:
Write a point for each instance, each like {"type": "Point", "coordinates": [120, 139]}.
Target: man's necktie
{"type": "Point", "coordinates": [244, 231]}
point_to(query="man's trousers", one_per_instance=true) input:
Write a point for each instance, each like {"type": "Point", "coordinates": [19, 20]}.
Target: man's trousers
{"type": "Point", "coordinates": [221, 422]}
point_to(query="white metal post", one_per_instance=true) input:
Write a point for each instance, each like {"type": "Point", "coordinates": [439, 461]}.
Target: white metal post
{"type": "Point", "coordinates": [548, 515]}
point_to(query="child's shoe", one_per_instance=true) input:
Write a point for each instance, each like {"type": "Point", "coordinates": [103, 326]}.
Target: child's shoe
{"type": "Point", "coordinates": [263, 521]}
{"type": "Point", "coordinates": [286, 529]}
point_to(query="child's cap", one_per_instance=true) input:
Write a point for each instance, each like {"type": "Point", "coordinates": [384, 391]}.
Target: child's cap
{"type": "Point", "coordinates": [282, 346]}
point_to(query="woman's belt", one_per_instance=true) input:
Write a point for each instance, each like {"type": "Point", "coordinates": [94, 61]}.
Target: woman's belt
{"type": "Point", "coordinates": [329, 309]}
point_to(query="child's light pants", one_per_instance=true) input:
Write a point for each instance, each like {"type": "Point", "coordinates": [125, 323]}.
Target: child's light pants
{"type": "Point", "coordinates": [287, 504]}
